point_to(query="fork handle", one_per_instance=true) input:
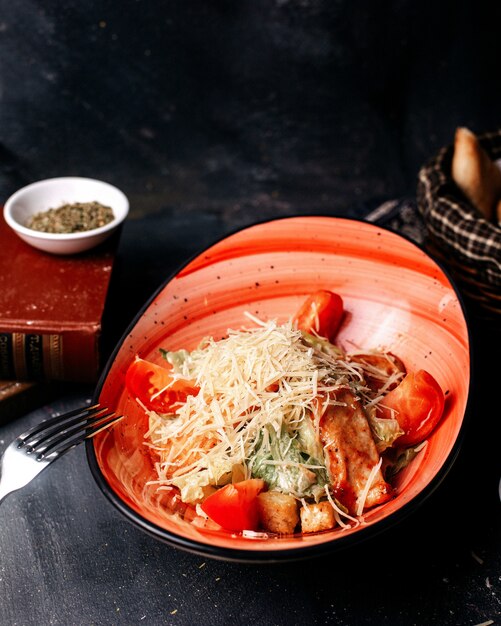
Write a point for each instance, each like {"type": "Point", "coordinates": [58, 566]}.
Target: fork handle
{"type": "Point", "coordinates": [6, 488]}
{"type": "Point", "coordinates": [4, 492]}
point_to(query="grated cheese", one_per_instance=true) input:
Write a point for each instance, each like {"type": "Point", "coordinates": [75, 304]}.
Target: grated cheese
{"type": "Point", "coordinates": [257, 377]}
{"type": "Point", "coordinates": [367, 486]}
{"type": "Point", "coordinates": [253, 534]}
{"type": "Point", "coordinates": [339, 513]}
{"type": "Point", "coordinates": [216, 429]}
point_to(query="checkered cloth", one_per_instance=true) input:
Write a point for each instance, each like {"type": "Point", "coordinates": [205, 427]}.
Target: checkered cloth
{"type": "Point", "coordinates": [454, 225]}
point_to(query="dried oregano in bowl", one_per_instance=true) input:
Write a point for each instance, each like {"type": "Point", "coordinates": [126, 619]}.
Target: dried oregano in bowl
{"type": "Point", "coordinates": [75, 217]}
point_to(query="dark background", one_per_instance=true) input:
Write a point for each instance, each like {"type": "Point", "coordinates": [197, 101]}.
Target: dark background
{"type": "Point", "coordinates": [242, 108]}
{"type": "Point", "coordinates": [211, 115]}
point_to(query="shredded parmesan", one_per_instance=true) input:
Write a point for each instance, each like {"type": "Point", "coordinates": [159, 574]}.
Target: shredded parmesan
{"type": "Point", "coordinates": [368, 485]}
{"type": "Point", "coordinates": [339, 513]}
{"type": "Point", "coordinates": [216, 430]}
{"type": "Point", "coordinates": [253, 379]}
{"type": "Point", "coordinates": [253, 534]}
{"type": "Point", "coordinates": [421, 446]}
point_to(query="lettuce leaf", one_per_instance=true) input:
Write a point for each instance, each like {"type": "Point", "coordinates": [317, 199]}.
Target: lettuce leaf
{"type": "Point", "coordinates": [385, 432]}
{"type": "Point", "coordinates": [176, 359]}
{"type": "Point", "coordinates": [322, 345]}
{"type": "Point", "coordinates": [279, 460]}
{"type": "Point", "coordinates": [396, 460]}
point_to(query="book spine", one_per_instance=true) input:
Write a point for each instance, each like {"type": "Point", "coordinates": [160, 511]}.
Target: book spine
{"type": "Point", "coordinates": [31, 356]}
{"type": "Point", "coordinates": [48, 356]}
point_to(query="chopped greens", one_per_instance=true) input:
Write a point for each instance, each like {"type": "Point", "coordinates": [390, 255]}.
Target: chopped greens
{"type": "Point", "coordinates": [281, 462]}
{"type": "Point", "coordinates": [385, 431]}
{"type": "Point", "coordinates": [322, 345]}
{"type": "Point", "coordinates": [176, 359]}
{"type": "Point", "coordinates": [397, 459]}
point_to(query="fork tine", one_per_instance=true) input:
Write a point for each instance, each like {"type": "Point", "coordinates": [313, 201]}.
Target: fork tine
{"type": "Point", "coordinates": [68, 438]}
{"type": "Point", "coordinates": [30, 453]}
{"type": "Point", "coordinates": [55, 421]}
{"type": "Point", "coordinates": [62, 423]}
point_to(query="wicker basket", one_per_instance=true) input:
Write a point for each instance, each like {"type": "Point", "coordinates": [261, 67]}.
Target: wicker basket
{"type": "Point", "coordinates": [468, 245]}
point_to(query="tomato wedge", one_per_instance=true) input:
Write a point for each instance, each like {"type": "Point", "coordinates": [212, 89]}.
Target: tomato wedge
{"type": "Point", "coordinates": [320, 314]}
{"type": "Point", "coordinates": [153, 385]}
{"type": "Point", "coordinates": [418, 402]}
{"type": "Point", "coordinates": [234, 507]}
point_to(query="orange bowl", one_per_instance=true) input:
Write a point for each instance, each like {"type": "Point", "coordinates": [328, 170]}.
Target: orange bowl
{"type": "Point", "coordinates": [396, 297]}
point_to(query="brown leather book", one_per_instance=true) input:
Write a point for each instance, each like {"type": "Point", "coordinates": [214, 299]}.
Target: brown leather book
{"type": "Point", "coordinates": [51, 310]}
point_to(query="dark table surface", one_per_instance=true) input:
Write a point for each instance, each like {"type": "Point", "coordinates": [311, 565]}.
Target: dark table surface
{"type": "Point", "coordinates": [67, 557]}
{"type": "Point", "coordinates": [211, 116]}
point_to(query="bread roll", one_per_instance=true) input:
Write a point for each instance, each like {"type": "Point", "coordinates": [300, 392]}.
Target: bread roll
{"type": "Point", "coordinates": [475, 173]}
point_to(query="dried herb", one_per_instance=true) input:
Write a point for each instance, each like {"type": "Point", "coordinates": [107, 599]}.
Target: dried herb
{"type": "Point", "coordinates": [72, 218]}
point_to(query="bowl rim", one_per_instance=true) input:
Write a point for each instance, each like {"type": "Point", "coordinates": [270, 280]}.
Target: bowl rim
{"type": "Point", "coordinates": [38, 234]}
{"type": "Point", "coordinates": [301, 552]}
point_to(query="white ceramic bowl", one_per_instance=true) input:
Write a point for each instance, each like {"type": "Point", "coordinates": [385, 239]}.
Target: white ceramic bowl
{"type": "Point", "coordinates": [54, 192]}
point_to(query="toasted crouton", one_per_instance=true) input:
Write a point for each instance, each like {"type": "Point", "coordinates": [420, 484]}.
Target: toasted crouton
{"type": "Point", "coordinates": [278, 512]}
{"type": "Point", "coordinates": [317, 517]}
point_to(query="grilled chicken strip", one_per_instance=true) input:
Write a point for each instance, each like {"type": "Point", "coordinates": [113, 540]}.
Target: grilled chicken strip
{"type": "Point", "coordinates": [351, 454]}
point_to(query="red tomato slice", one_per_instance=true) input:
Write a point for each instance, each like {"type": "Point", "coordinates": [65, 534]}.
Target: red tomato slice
{"type": "Point", "coordinates": [144, 380]}
{"type": "Point", "coordinates": [234, 507]}
{"type": "Point", "coordinates": [320, 314]}
{"type": "Point", "coordinates": [418, 402]}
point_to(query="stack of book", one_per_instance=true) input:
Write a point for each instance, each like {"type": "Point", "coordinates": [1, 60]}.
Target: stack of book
{"type": "Point", "coordinates": [51, 313]}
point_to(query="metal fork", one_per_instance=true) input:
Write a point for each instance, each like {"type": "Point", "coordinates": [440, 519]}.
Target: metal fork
{"type": "Point", "coordinates": [38, 447]}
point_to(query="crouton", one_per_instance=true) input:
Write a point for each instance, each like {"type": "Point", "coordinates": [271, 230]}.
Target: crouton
{"type": "Point", "coordinates": [317, 517]}
{"type": "Point", "coordinates": [278, 512]}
